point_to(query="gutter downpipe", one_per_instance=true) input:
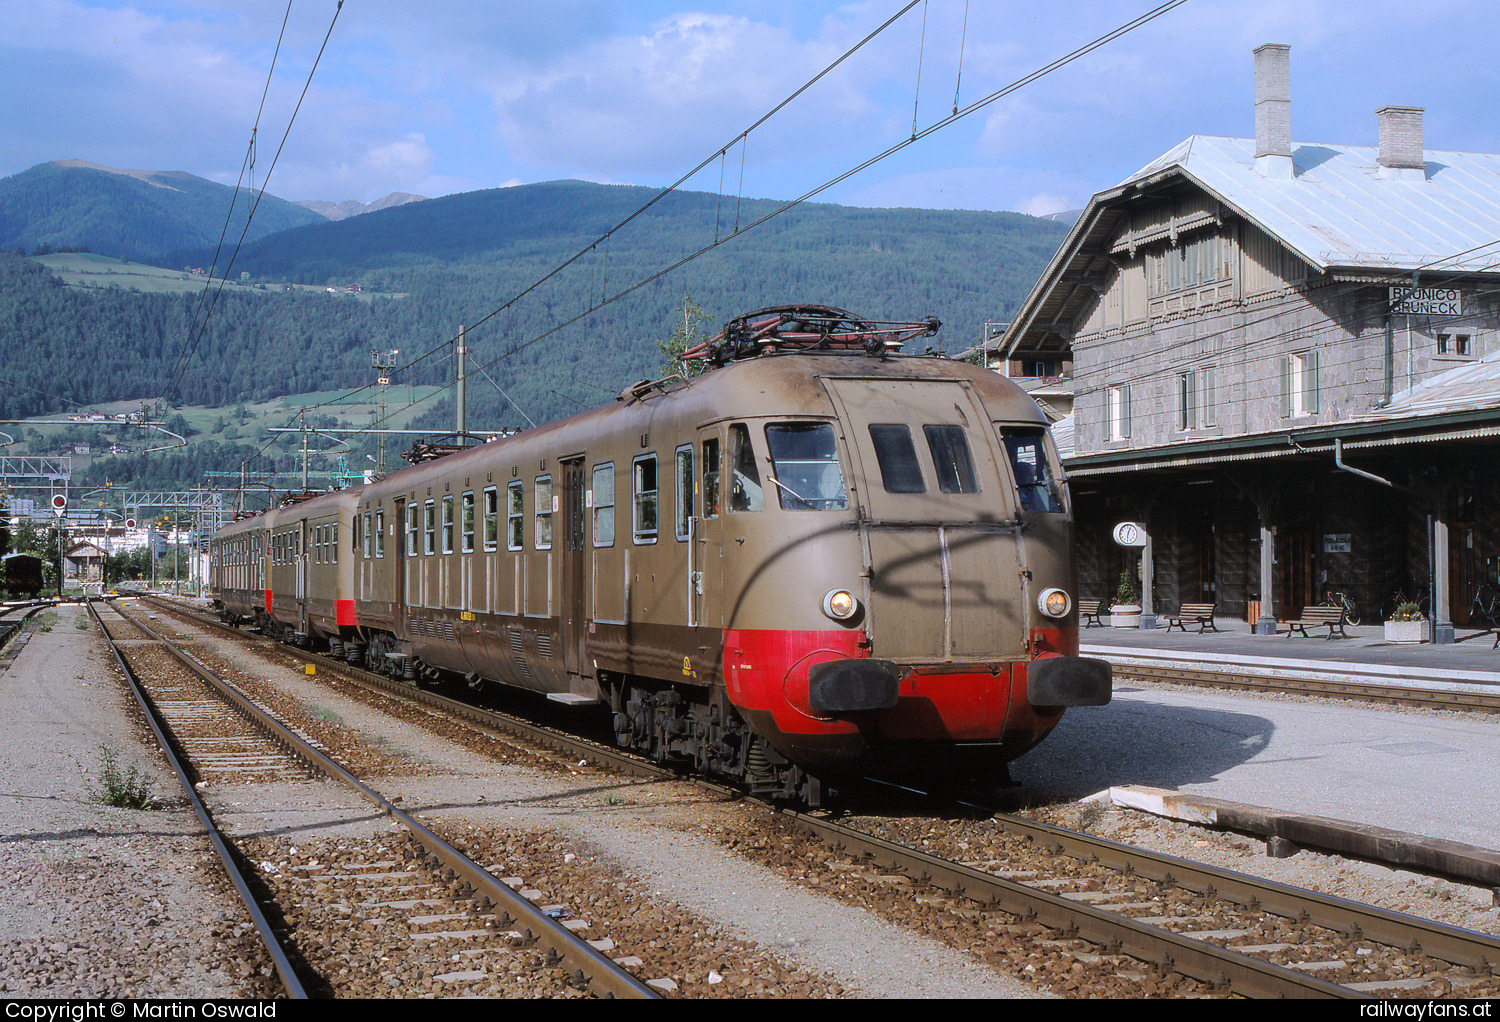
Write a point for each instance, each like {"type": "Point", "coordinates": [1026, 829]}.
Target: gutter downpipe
{"type": "Point", "coordinates": [1438, 632]}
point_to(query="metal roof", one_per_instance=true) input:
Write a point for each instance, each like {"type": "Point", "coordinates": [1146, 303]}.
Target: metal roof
{"type": "Point", "coordinates": [1468, 387]}
{"type": "Point", "coordinates": [1340, 208]}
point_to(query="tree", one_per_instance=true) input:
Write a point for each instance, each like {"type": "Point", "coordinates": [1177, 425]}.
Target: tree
{"type": "Point", "coordinates": [687, 332]}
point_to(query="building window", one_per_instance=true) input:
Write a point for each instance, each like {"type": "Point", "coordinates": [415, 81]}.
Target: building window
{"type": "Point", "coordinates": [1299, 384]}
{"type": "Point", "coordinates": [1117, 412]}
{"type": "Point", "coordinates": [1454, 344]}
{"type": "Point", "coordinates": [1190, 263]}
{"type": "Point", "coordinates": [1195, 399]}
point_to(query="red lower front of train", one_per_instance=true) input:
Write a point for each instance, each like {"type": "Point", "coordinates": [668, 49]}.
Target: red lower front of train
{"type": "Point", "coordinates": [824, 703]}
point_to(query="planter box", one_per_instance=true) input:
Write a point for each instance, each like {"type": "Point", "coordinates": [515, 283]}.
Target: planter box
{"type": "Point", "coordinates": [1125, 616]}
{"type": "Point", "coordinates": [1405, 631]}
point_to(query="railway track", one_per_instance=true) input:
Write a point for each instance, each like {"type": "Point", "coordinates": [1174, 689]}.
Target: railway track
{"type": "Point", "coordinates": [1105, 908]}
{"type": "Point", "coordinates": [1133, 669]}
{"type": "Point", "coordinates": [415, 891]}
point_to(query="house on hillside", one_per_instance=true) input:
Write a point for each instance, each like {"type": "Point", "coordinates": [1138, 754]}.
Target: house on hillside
{"type": "Point", "coordinates": [1286, 364]}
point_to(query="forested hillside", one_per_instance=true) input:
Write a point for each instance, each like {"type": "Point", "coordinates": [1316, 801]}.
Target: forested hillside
{"type": "Point", "coordinates": [479, 260]}
{"type": "Point", "coordinates": [131, 214]}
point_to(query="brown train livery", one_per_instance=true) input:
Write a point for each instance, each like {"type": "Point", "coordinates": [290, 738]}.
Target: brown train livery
{"type": "Point", "coordinates": [819, 559]}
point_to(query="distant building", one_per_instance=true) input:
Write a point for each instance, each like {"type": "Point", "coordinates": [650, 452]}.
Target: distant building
{"type": "Point", "coordinates": [1284, 358]}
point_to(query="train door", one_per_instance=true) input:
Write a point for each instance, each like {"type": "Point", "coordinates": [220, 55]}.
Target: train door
{"type": "Point", "coordinates": [399, 596]}
{"type": "Point", "coordinates": [303, 543]}
{"type": "Point", "coordinates": [574, 609]}
{"type": "Point", "coordinates": [938, 520]}
{"type": "Point", "coordinates": [705, 567]}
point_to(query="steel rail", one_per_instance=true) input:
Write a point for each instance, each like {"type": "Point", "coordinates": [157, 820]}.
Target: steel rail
{"type": "Point", "coordinates": [569, 952]}
{"type": "Point", "coordinates": [1205, 962]}
{"type": "Point", "coordinates": [1365, 691]}
{"type": "Point", "coordinates": [168, 742]}
{"type": "Point", "coordinates": [1451, 944]}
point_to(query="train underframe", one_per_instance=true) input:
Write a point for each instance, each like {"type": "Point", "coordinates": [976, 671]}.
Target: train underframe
{"type": "Point", "coordinates": [691, 726]}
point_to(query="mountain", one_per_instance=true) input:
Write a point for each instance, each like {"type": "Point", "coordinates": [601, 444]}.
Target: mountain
{"type": "Point", "coordinates": [132, 214]}
{"type": "Point", "coordinates": [567, 289]}
{"type": "Point", "coordinates": [352, 207]}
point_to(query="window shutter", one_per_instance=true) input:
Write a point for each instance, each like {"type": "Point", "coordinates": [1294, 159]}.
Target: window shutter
{"type": "Point", "coordinates": [1310, 382]}
{"type": "Point", "coordinates": [1125, 411]}
{"type": "Point", "coordinates": [1210, 413]}
{"type": "Point", "coordinates": [1286, 386]}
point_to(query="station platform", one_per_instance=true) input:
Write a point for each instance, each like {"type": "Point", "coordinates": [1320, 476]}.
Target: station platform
{"type": "Point", "coordinates": [1471, 662]}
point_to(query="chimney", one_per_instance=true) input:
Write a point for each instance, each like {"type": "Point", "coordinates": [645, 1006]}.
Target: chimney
{"type": "Point", "coordinates": [1401, 154]}
{"type": "Point", "coordinates": [1273, 110]}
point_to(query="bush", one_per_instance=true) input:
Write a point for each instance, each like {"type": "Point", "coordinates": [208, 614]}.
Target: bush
{"type": "Point", "coordinates": [123, 789]}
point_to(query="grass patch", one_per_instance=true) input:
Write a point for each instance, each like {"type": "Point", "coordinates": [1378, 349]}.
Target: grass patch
{"type": "Point", "coordinates": [122, 788]}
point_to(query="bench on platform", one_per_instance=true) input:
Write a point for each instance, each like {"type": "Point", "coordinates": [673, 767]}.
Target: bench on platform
{"type": "Point", "coordinates": [1333, 617]}
{"type": "Point", "coordinates": [1200, 613]}
{"type": "Point", "coordinates": [1088, 613]}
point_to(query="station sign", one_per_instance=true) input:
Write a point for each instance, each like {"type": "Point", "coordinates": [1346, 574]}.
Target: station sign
{"type": "Point", "coordinates": [1336, 542]}
{"type": "Point", "coordinates": [1427, 301]}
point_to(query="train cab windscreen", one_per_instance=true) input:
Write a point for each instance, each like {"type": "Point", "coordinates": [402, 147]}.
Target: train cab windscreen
{"type": "Point", "coordinates": [1036, 484]}
{"type": "Point", "coordinates": [805, 461]}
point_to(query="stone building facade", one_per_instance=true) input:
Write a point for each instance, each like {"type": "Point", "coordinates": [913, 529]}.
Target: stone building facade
{"type": "Point", "coordinates": [1286, 363]}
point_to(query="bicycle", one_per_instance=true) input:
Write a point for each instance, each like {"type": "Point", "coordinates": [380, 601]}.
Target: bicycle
{"type": "Point", "coordinates": [1485, 604]}
{"type": "Point", "coordinates": [1338, 599]}
{"type": "Point", "coordinates": [1399, 597]}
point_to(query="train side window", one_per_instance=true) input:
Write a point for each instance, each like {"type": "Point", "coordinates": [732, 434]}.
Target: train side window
{"type": "Point", "coordinates": [429, 527]}
{"type": "Point", "coordinates": [745, 493]}
{"type": "Point", "coordinates": [466, 524]}
{"type": "Point", "coordinates": [644, 491]}
{"type": "Point", "coordinates": [806, 462]}
{"type": "Point", "coordinates": [711, 478]}
{"type": "Point", "coordinates": [683, 509]}
{"type": "Point", "coordinates": [604, 504]}
{"type": "Point", "coordinates": [448, 524]}
{"type": "Point", "coordinates": [542, 537]}
{"type": "Point", "coordinates": [897, 457]}
{"type": "Point", "coordinates": [515, 514]}
{"type": "Point", "coordinates": [333, 542]}
{"type": "Point", "coordinates": [950, 456]}
{"type": "Point", "coordinates": [491, 518]}
{"type": "Point", "coordinates": [369, 541]}
{"type": "Point", "coordinates": [1036, 483]}
{"type": "Point", "coordinates": [379, 533]}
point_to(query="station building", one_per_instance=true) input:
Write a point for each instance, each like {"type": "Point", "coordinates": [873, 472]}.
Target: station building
{"type": "Point", "coordinates": [1286, 365]}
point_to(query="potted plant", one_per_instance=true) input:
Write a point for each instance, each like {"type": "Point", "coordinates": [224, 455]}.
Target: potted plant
{"type": "Point", "coordinates": [1125, 612]}
{"type": "Point", "coordinates": [1406, 624]}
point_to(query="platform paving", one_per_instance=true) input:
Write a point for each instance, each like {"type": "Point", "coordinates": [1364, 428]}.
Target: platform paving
{"type": "Point", "coordinates": [1472, 659]}
{"type": "Point", "coordinates": [1424, 772]}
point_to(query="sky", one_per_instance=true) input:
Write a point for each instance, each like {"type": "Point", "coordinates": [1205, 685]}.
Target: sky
{"type": "Point", "coordinates": [471, 94]}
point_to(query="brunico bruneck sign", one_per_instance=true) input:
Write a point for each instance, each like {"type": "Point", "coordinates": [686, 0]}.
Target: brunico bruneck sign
{"type": "Point", "coordinates": [1427, 301]}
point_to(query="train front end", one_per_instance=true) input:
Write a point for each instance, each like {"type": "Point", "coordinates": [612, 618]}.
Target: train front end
{"type": "Point", "coordinates": [922, 566]}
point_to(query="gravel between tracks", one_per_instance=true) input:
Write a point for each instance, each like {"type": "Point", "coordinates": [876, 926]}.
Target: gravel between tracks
{"type": "Point", "coordinates": [106, 902]}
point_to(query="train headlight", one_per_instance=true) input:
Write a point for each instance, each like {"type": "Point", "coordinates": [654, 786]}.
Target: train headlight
{"type": "Point", "coordinates": [840, 604]}
{"type": "Point", "coordinates": [1054, 603]}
